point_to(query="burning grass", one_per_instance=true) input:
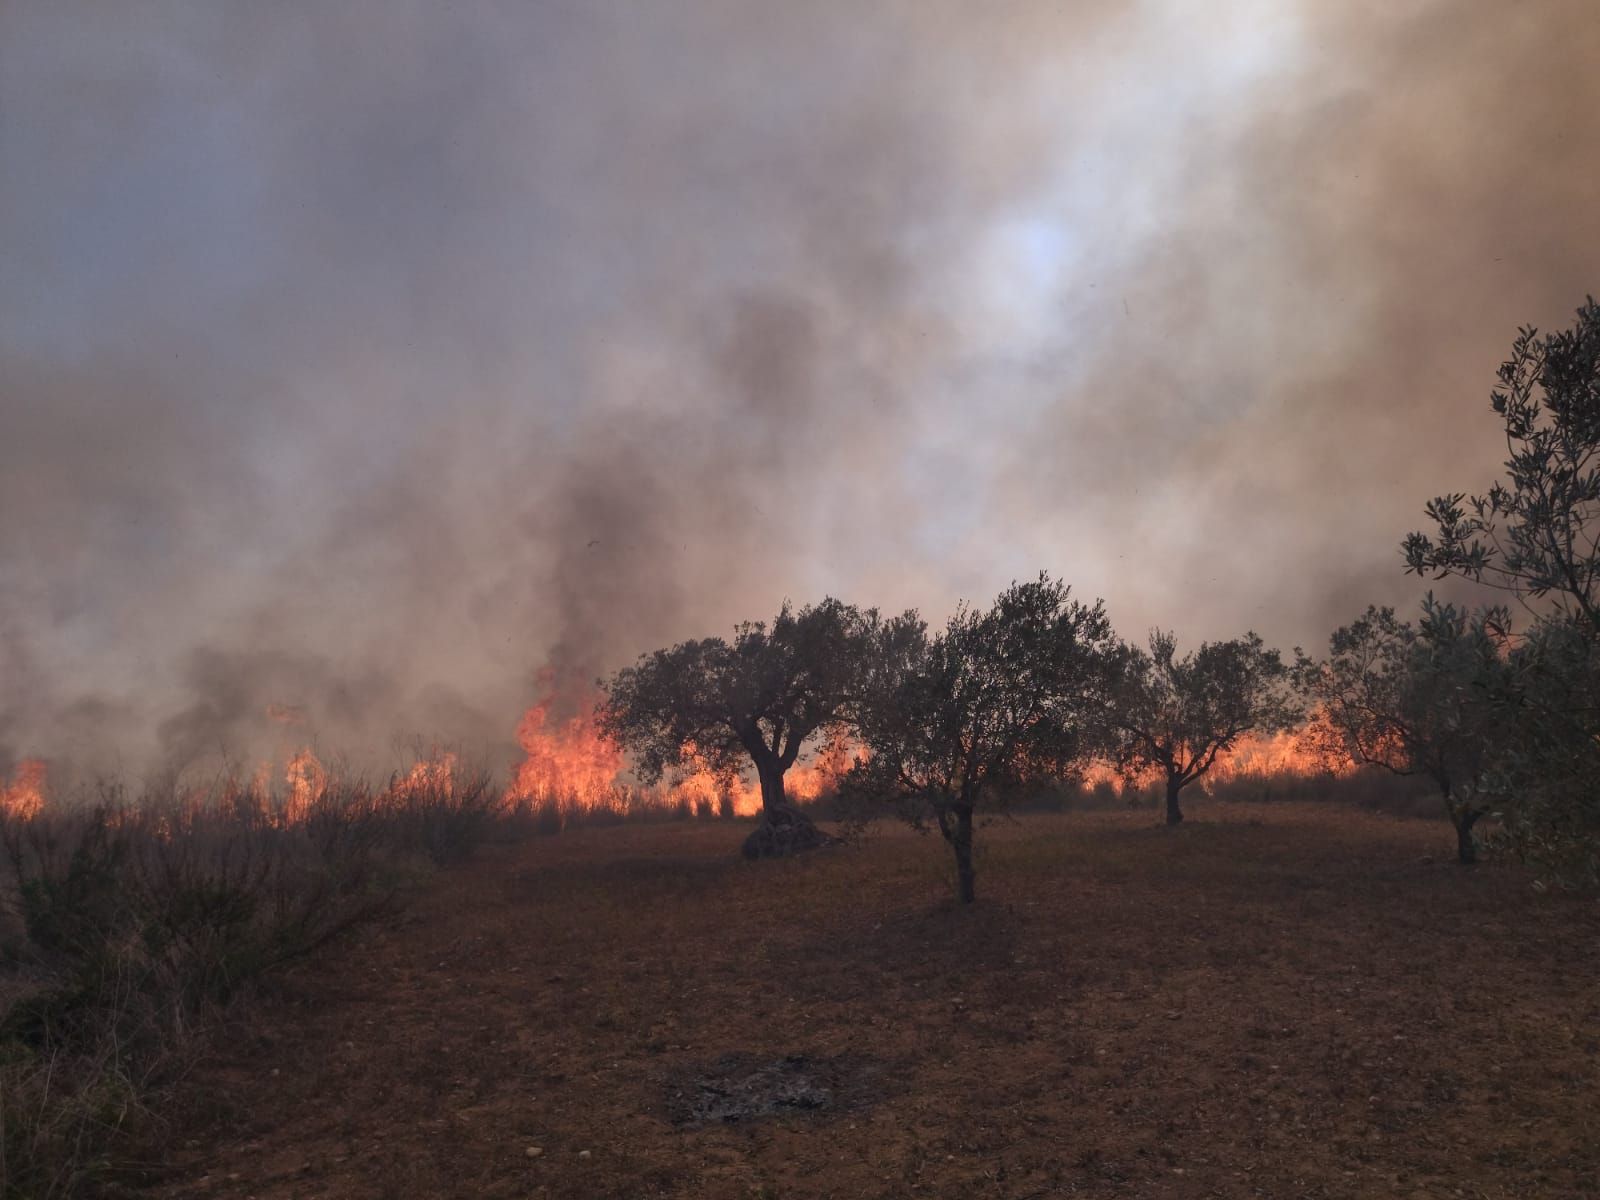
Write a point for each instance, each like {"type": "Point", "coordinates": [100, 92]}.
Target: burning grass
{"type": "Point", "coordinates": [567, 760]}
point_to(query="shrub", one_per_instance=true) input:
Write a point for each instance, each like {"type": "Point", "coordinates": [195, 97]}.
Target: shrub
{"type": "Point", "coordinates": [129, 924]}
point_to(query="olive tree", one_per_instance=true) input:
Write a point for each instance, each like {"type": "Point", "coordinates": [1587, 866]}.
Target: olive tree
{"type": "Point", "coordinates": [757, 699]}
{"type": "Point", "coordinates": [1546, 771]}
{"type": "Point", "coordinates": [1535, 534]}
{"type": "Point", "coordinates": [996, 697]}
{"type": "Point", "coordinates": [1177, 715]}
{"type": "Point", "coordinates": [1421, 700]}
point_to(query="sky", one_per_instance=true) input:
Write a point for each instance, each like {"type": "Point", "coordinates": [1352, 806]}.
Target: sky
{"type": "Point", "coordinates": [363, 359]}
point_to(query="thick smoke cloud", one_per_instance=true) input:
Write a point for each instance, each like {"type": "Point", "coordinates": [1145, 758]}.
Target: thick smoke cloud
{"type": "Point", "coordinates": [358, 361]}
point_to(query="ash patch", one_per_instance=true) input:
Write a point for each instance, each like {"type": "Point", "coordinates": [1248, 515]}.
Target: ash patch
{"type": "Point", "coordinates": [741, 1087]}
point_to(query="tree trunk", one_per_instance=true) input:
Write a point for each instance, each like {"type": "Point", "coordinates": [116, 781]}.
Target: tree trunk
{"type": "Point", "coordinates": [770, 772]}
{"type": "Point", "coordinates": [783, 829]}
{"type": "Point", "coordinates": [1466, 844]}
{"type": "Point", "coordinates": [960, 836]}
{"type": "Point", "coordinates": [1174, 813]}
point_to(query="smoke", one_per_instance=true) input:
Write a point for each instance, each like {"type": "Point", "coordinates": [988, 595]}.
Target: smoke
{"type": "Point", "coordinates": [359, 361]}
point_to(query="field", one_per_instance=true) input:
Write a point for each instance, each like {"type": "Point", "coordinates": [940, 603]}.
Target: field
{"type": "Point", "coordinates": [1272, 1000]}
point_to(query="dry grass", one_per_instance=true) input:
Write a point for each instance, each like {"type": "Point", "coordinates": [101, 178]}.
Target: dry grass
{"type": "Point", "coordinates": [125, 927]}
{"type": "Point", "coordinates": [1279, 1000]}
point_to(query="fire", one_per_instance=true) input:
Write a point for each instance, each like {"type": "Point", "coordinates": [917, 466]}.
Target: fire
{"type": "Point", "coordinates": [428, 776]}
{"type": "Point", "coordinates": [571, 763]}
{"type": "Point", "coordinates": [307, 781]}
{"type": "Point", "coordinates": [23, 797]}
{"type": "Point", "coordinates": [1302, 752]}
{"type": "Point", "coordinates": [802, 783]}
{"type": "Point", "coordinates": [566, 760]}
{"type": "Point", "coordinates": [807, 781]}
{"type": "Point", "coordinates": [701, 790]}
{"type": "Point", "coordinates": [1294, 752]}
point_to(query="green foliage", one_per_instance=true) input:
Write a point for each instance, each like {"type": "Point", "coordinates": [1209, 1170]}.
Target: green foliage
{"type": "Point", "coordinates": [1546, 772]}
{"type": "Point", "coordinates": [762, 697]}
{"type": "Point", "coordinates": [1177, 715]}
{"type": "Point", "coordinates": [998, 697]}
{"type": "Point", "coordinates": [1429, 700]}
{"type": "Point", "coordinates": [1536, 535]}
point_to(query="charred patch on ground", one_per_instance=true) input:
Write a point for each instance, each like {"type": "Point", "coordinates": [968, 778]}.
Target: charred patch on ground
{"type": "Point", "coordinates": [743, 1087]}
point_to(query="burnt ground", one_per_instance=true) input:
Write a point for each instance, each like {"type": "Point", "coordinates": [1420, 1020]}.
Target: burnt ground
{"type": "Point", "coordinates": [1270, 1001]}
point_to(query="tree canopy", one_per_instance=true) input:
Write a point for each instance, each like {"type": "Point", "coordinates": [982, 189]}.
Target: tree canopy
{"type": "Point", "coordinates": [1422, 700]}
{"type": "Point", "coordinates": [1177, 715]}
{"type": "Point", "coordinates": [1536, 534]}
{"type": "Point", "coordinates": [760, 698]}
{"type": "Point", "coordinates": [997, 696]}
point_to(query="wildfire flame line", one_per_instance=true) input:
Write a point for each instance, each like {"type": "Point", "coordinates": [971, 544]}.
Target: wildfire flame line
{"type": "Point", "coordinates": [569, 765]}
{"type": "Point", "coordinates": [569, 761]}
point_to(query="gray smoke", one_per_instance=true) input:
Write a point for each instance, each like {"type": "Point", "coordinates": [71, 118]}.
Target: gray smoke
{"type": "Point", "coordinates": [360, 360]}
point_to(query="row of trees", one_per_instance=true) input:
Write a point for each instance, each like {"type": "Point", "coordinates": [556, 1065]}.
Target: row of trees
{"type": "Point", "coordinates": [1037, 684]}
{"type": "Point", "coordinates": [1033, 686]}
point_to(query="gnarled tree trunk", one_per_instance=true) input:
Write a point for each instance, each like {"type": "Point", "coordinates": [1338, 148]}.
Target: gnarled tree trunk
{"type": "Point", "coordinates": [1463, 815]}
{"type": "Point", "coordinates": [1174, 813]}
{"type": "Point", "coordinates": [770, 772]}
{"type": "Point", "coordinates": [782, 828]}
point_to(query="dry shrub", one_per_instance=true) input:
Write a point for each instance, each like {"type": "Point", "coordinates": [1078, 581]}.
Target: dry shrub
{"type": "Point", "coordinates": [125, 926]}
{"type": "Point", "coordinates": [446, 819]}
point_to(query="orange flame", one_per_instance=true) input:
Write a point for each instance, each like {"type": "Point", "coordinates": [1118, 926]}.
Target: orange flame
{"type": "Point", "coordinates": [23, 797]}
{"type": "Point", "coordinates": [307, 780]}
{"type": "Point", "coordinates": [571, 762]}
{"type": "Point", "coordinates": [702, 791]}
{"type": "Point", "coordinates": [1260, 756]}
{"type": "Point", "coordinates": [1304, 753]}
{"type": "Point", "coordinates": [435, 775]}
{"type": "Point", "coordinates": [566, 760]}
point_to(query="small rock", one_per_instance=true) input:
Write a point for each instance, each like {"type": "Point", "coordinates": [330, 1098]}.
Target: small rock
{"type": "Point", "coordinates": [584, 1154]}
{"type": "Point", "coordinates": [534, 1151]}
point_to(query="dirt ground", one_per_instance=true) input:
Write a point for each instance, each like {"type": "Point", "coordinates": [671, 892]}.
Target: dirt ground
{"type": "Point", "coordinates": [1282, 1001]}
